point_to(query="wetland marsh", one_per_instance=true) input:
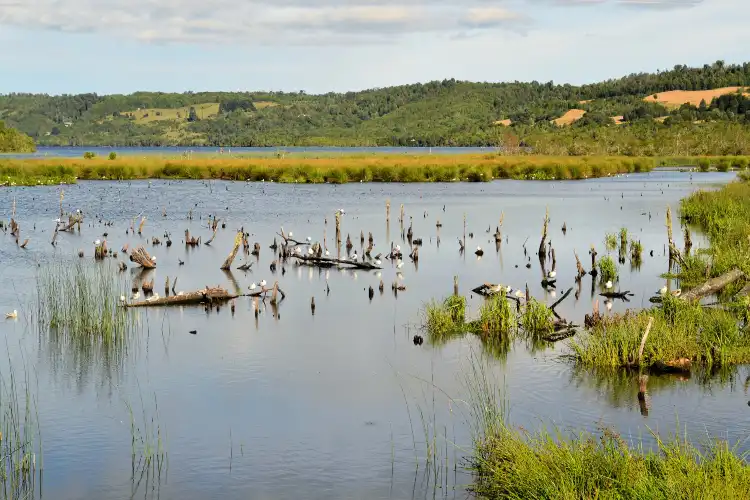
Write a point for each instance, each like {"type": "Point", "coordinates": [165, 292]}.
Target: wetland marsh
{"type": "Point", "coordinates": [340, 403]}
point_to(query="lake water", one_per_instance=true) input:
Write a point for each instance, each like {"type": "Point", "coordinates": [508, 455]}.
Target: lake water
{"type": "Point", "coordinates": [77, 151]}
{"type": "Point", "coordinates": [335, 404]}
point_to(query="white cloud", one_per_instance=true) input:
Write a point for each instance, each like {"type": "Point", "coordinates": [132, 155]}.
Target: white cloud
{"type": "Point", "coordinates": [261, 21]}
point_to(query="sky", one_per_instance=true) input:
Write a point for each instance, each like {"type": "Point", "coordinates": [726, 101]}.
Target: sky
{"type": "Point", "coordinates": [121, 46]}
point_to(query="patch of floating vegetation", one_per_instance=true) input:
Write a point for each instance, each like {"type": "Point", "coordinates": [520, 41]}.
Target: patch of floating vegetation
{"type": "Point", "coordinates": [325, 169]}
{"type": "Point", "coordinates": [498, 322]}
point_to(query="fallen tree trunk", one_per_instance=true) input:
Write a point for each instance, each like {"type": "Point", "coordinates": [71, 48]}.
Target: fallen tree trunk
{"type": "Point", "coordinates": [713, 285]}
{"type": "Point", "coordinates": [197, 297]}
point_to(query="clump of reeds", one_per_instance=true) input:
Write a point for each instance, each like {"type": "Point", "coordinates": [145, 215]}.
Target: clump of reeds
{"type": "Point", "coordinates": [681, 333]}
{"type": "Point", "coordinates": [636, 251]}
{"type": "Point", "coordinates": [82, 302]}
{"type": "Point", "coordinates": [445, 319]}
{"type": "Point", "coordinates": [496, 318]}
{"type": "Point", "coordinates": [610, 241]}
{"type": "Point", "coordinates": [537, 319]}
{"type": "Point", "coordinates": [607, 269]}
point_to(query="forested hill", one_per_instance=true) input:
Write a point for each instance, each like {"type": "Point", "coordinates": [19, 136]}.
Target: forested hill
{"type": "Point", "coordinates": [13, 141]}
{"type": "Point", "coordinates": [449, 112]}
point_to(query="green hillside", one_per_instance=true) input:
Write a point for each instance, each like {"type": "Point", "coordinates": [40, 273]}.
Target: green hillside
{"type": "Point", "coordinates": [616, 117]}
{"type": "Point", "coordinates": [13, 141]}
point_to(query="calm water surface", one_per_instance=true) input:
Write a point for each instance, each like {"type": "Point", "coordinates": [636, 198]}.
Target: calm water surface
{"type": "Point", "coordinates": [77, 151]}
{"type": "Point", "coordinates": [292, 405]}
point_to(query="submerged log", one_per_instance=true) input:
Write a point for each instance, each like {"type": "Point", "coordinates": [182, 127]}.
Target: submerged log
{"type": "Point", "coordinates": [331, 262]}
{"type": "Point", "coordinates": [618, 295]}
{"type": "Point", "coordinates": [713, 285]}
{"type": "Point", "coordinates": [197, 297]}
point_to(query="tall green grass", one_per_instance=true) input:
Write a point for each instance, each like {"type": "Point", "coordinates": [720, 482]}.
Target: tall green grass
{"type": "Point", "coordinates": [724, 215]}
{"type": "Point", "coordinates": [511, 462]}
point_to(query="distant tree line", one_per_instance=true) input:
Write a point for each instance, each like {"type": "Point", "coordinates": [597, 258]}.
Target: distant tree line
{"type": "Point", "coordinates": [438, 113]}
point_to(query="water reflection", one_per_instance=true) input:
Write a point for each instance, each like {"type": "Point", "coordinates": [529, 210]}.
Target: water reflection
{"type": "Point", "coordinates": [632, 389]}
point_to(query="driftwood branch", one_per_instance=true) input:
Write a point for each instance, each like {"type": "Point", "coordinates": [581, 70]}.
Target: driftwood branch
{"type": "Point", "coordinates": [713, 285]}
{"type": "Point", "coordinates": [643, 340]}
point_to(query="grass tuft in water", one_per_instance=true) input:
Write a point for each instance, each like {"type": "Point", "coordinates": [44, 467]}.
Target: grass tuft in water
{"type": "Point", "coordinates": [82, 301]}
{"type": "Point", "coordinates": [607, 269]}
{"type": "Point", "coordinates": [20, 438]}
{"type": "Point", "coordinates": [636, 251]}
{"type": "Point", "coordinates": [149, 457]}
{"type": "Point", "coordinates": [443, 320]}
{"type": "Point", "coordinates": [610, 241]}
{"type": "Point", "coordinates": [497, 320]}
{"type": "Point", "coordinates": [537, 319]}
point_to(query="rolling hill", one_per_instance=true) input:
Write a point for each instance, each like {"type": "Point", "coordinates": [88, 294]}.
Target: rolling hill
{"type": "Point", "coordinates": [447, 112]}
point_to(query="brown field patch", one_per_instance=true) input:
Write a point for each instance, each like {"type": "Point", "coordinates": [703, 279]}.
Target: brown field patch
{"type": "Point", "coordinates": [570, 116]}
{"type": "Point", "coordinates": [676, 98]}
{"type": "Point", "coordinates": [264, 104]}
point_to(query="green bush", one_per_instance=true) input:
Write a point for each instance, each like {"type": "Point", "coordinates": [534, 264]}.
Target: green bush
{"type": "Point", "coordinates": [704, 164]}
{"type": "Point", "coordinates": [112, 155]}
{"type": "Point", "coordinates": [88, 155]}
{"type": "Point", "coordinates": [723, 165]}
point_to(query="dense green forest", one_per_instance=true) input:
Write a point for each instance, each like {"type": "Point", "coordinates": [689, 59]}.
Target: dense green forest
{"type": "Point", "coordinates": [440, 113]}
{"type": "Point", "coordinates": [11, 140]}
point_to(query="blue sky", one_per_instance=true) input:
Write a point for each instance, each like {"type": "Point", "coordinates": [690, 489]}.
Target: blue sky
{"type": "Point", "coordinates": [120, 46]}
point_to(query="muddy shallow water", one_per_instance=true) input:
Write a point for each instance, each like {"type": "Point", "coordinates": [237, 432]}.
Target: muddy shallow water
{"type": "Point", "coordinates": [293, 405]}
